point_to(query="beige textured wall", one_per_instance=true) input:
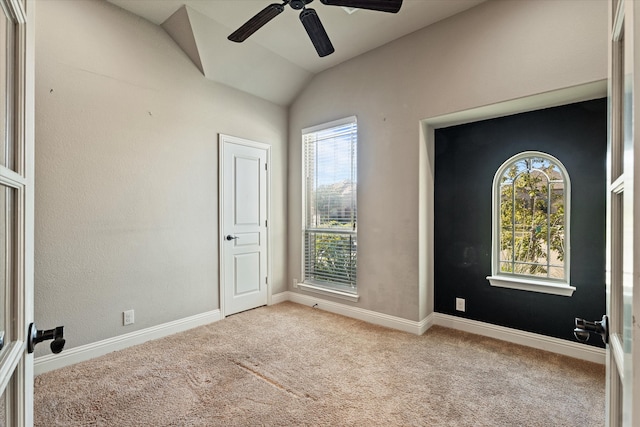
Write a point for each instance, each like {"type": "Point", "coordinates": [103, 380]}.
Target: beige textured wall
{"type": "Point", "coordinates": [498, 51]}
{"type": "Point", "coordinates": [127, 175]}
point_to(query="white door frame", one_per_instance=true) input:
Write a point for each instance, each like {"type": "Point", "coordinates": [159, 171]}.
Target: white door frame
{"type": "Point", "coordinates": [16, 363]}
{"type": "Point", "coordinates": [228, 139]}
{"type": "Point", "coordinates": [623, 216]}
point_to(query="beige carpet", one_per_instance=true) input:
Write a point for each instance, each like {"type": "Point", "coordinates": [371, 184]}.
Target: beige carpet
{"type": "Point", "coordinates": [291, 365]}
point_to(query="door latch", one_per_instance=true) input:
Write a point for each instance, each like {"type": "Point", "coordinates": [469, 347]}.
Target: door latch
{"type": "Point", "coordinates": [584, 329]}
{"type": "Point", "coordinates": [35, 336]}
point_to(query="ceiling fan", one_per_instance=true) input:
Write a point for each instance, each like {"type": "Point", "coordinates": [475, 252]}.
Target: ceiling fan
{"type": "Point", "coordinates": [310, 19]}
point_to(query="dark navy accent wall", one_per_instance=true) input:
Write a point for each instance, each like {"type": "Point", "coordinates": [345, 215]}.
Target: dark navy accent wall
{"type": "Point", "coordinates": [466, 159]}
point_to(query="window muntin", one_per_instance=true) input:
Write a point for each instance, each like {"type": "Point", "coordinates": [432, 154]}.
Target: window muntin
{"type": "Point", "coordinates": [531, 219]}
{"type": "Point", "coordinates": [330, 207]}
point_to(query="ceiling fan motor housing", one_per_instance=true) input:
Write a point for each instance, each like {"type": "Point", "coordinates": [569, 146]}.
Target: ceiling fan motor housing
{"type": "Point", "coordinates": [299, 4]}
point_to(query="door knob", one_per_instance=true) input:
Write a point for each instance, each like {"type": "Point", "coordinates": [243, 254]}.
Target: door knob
{"type": "Point", "coordinates": [230, 237]}
{"type": "Point", "coordinates": [584, 329]}
{"type": "Point", "coordinates": [35, 336]}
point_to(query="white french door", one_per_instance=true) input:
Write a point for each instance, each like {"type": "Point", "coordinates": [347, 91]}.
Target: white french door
{"type": "Point", "coordinates": [243, 224]}
{"type": "Point", "coordinates": [16, 210]}
{"type": "Point", "coordinates": [623, 227]}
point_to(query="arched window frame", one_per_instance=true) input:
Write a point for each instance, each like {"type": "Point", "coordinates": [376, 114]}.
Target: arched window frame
{"type": "Point", "coordinates": [523, 281]}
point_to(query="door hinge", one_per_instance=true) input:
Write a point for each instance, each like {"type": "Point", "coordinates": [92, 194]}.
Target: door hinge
{"type": "Point", "coordinates": [266, 280]}
{"type": "Point", "coordinates": [265, 167]}
{"type": "Point", "coordinates": [265, 222]}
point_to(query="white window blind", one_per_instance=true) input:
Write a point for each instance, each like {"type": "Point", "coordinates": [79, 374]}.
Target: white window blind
{"type": "Point", "coordinates": [330, 234]}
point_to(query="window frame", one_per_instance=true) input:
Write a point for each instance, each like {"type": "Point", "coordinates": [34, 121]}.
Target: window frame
{"type": "Point", "coordinates": [521, 281]}
{"type": "Point", "coordinates": [325, 288]}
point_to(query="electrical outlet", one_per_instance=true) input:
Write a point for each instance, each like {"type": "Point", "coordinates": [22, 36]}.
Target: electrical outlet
{"type": "Point", "coordinates": [127, 317]}
{"type": "Point", "coordinates": [294, 283]}
{"type": "Point", "coordinates": [460, 304]}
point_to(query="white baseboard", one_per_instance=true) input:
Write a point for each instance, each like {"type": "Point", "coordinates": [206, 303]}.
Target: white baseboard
{"type": "Point", "coordinates": [529, 339]}
{"type": "Point", "coordinates": [85, 352]}
{"type": "Point", "coordinates": [79, 354]}
{"type": "Point", "coordinates": [357, 313]}
{"type": "Point", "coordinates": [280, 297]}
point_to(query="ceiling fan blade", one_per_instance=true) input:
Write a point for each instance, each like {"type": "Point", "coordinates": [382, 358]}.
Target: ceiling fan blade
{"type": "Point", "coordinates": [391, 6]}
{"type": "Point", "coordinates": [316, 32]}
{"type": "Point", "coordinates": [255, 23]}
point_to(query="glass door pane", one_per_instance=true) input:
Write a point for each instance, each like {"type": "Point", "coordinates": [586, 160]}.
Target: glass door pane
{"type": "Point", "coordinates": [7, 31]}
{"type": "Point", "coordinates": [6, 263]}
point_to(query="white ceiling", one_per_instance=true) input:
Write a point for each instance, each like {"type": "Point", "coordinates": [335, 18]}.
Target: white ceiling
{"type": "Point", "coordinates": [278, 60]}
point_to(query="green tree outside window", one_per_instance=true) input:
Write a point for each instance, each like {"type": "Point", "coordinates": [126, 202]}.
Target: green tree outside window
{"type": "Point", "coordinates": [532, 217]}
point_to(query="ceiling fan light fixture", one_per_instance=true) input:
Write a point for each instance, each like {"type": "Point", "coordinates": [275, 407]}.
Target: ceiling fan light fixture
{"type": "Point", "coordinates": [299, 4]}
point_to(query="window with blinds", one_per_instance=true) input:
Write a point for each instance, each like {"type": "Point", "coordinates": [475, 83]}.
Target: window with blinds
{"type": "Point", "coordinates": [330, 205]}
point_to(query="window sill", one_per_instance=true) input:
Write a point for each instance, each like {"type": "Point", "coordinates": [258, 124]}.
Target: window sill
{"type": "Point", "coordinates": [329, 292]}
{"type": "Point", "coordinates": [531, 285]}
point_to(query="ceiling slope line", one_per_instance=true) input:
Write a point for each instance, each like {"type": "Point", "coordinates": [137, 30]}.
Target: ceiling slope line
{"type": "Point", "coordinates": [179, 28]}
{"type": "Point", "coordinates": [253, 69]}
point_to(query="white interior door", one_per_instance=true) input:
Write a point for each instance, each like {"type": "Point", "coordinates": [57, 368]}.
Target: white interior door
{"type": "Point", "coordinates": [16, 210]}
{"type": "Point", "coordinates": [243, 231]}
{"type": "Point", "coordinates": [623, 243]}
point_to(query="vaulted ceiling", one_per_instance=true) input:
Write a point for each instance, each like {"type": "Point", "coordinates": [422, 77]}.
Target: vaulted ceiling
{"type": "Point", "coordinates": [278, 60]}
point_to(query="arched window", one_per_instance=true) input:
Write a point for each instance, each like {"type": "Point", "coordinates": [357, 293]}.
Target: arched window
{"type": "Point", "coordinates": [530, 241]}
